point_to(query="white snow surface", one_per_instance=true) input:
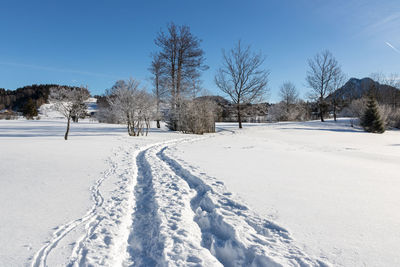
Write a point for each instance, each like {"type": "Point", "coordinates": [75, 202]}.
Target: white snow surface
{"type": "Point", "coordinates": [287, 194]}
{"type": "Point", "coordinates": [47, 111]}
{"type": "Point", "coordinates": [335, 188]}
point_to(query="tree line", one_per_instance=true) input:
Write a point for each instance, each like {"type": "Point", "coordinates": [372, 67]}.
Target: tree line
{"type": "Point", "coordinates": [176, 68]}
{"type": "Point", "coordinates": [26, 100]}
{"type": "Point", "coordinates": [331, 95]}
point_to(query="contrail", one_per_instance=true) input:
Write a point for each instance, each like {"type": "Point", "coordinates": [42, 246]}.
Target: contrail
{"type": "Point", "coordinates": [393, 47]}
{"type": "Point", "coordinates": [56, 69]}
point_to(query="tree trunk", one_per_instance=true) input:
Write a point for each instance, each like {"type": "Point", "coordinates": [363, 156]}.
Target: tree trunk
{"type": "Point", "coordinates": [321, 112]}
{"type": "Point", "coordinates": [334, 112]}
{"type": "Point", "coordinates": [128, 125]}
{"type": "Point", "coordinates": [66, 133]}
{"type": "Point", "coordinates": [158, 107]}
{"type": "Point", "coordinates": [148, 125]}
{"type": "Point", "coordinates": [239, 117]}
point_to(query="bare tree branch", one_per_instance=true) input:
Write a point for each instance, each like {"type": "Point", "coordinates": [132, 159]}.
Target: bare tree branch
{"type": "Point", "coordinates": [288, 95]}
{"type": "Point", "coordinates": [183, 60]}
{"type": "Point", "coordinates": [241, 76]}
{"type": "Point", "coordinates": [160, 88]}
{"type": "Point", "coordinates": [322, 70]}
{"type": "Point", "coordinates": [69, 102]}
{"type": "Point", "coordinates": [131, 105]}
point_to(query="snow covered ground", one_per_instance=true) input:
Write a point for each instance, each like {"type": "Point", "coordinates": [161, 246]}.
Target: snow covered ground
{"type": "Point", "coordinates": [293, 194]}
{"type": "Point", "coordinates": [336, 189]}
{"type": "Point", "coordinates": [49, 185]}
{"type": "Point", "coordinates": [47, 111]}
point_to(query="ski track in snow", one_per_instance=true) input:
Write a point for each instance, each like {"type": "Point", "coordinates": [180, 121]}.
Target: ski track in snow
{"type": "Point", "coordinates": [163, 230]}
{"type": "Point", "coordinates": [164, 212]}
{"type": "Point", "coordinates": [230, 231]}
{"type": "Point", "coordinates": [40, 257]}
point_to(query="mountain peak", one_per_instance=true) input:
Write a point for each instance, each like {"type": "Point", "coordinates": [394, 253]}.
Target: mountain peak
{"type": "Point", "coordinates": [356, 88]}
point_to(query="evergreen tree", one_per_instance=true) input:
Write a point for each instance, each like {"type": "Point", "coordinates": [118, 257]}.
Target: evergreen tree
{"type": "Point", "coordinates": [29, 110]}
{"type": "Point", "coordinates": [371, 121]}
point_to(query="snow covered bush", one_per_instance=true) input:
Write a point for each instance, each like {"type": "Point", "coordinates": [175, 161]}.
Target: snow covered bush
{"type": "Point", "coordinates": [357, 108]}
{"type": "Point", "coordinates": [354, 110]}
{"type": "Point", "coordinates": [146, 104]}
{"type": "Point", "coordinates": [298, 111]}
{"type": "Point", "coordinates": [198, 117]}
{"type": "Point", "coordinates": [131, 105]}
{"type": "Point", "coordinates": [277, 112]}
{"type": "Point", "coordinates": [390, 116]}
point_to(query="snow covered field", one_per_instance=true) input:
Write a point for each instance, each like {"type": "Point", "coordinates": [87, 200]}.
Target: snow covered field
{"type": "Point", "coordinates": [286, 194]}
{"type": "Point", "coordinates": [336, 189]}
{"type": "Point", "coordinates": [46, 182]}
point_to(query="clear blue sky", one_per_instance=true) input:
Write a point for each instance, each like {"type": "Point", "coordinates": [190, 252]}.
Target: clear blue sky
{"type": "Point", "coordinates": [95, 43]}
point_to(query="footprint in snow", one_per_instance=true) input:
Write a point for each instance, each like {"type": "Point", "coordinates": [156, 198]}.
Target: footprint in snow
{"type": "Point", "coordinates": [28, 247]}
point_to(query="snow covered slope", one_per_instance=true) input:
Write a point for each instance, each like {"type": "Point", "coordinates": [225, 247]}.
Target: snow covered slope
{"type": "Point", "coordinates": [47, 111]}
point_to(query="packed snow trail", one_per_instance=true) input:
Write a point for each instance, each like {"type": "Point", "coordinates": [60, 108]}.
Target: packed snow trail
{"type": "Point", "coordinates": [180, 220]}
{"type": "Point", "coordinates": [163, 230]}
{"type": "Point", "coordinates": [163, 212]}
{"type": "Point", "coordinates": [105, 242]}
{"type": "Point", "coordinates": [146, 247]}
{"type": "Point", "coordinates": [230, 231]}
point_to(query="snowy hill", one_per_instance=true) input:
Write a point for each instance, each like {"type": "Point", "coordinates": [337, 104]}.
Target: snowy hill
{"type": "Point", "coordinates": [91, 105]}
{"type": "Point", "coordinates": [48, 111]}
{"type": "Point", "coordinates": [16, 99]}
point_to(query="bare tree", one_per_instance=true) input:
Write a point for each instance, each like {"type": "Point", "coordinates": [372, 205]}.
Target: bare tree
{"type": "Point", "coordinates": [69, 102]}
{"type": "Point", "coordinates": [131, 105]}
{"type": "Point", "coordinates": [195, 86]}
{"type": "Point", "coordinates": [288, 95]}
{"type": "Point", "coordinates": [322, 70]}
{"type": "Point", "coordinates": [241, 77]}
{"type": "Point", "coordinates": [338, 81]}
{"type": "Point", "coordinates": [121, 98]}
{"type": "Point", "coordinates": [145, 104]}
{"type": "Point", "coordinates": [182, 60]}
{"type": "Point", "coordinates": [393, 79]}
{"type": "Point", "coordinates": [160, 89]}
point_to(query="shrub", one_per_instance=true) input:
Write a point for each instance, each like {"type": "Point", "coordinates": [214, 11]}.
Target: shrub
{"type": "Point", "coordinates": [298, 111]}
{"type": "Point", "coordinates": [390, 116]}
{"type": "Point", "coordinates": [197, 117]}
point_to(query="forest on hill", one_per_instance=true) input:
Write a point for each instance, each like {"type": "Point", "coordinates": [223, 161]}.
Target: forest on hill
{"type": "Point", "coordinates": [16, 99]}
